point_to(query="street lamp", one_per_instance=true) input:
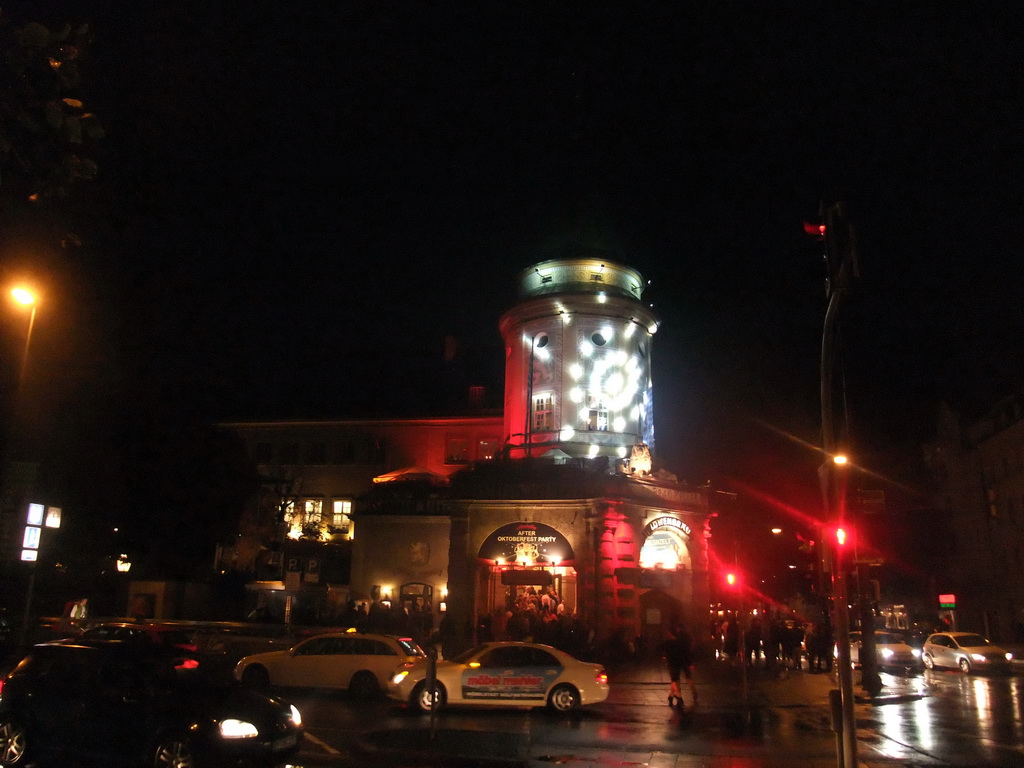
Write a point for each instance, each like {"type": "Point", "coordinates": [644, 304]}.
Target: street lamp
{"type": "Point", "coordinates": [27, 298]}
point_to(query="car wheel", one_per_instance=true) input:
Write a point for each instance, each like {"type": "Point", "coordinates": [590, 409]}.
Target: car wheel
{"type": "Point", "coordinates": [564, 698]}
{"type": "Point", "coordinates": [175, 752]}
{"type": "Point", "coordinates": [424, 701]}
{"type": "Point", "coordinates": [13, 743]}
{"type": "Point", "coordinates": [256, 677]}
{"type": "Point", "coordinates": [364, 684]}
{"type": "Point", "coordinates": [965, 666]}
{"type": "Point", "coordinates": [928, 662]}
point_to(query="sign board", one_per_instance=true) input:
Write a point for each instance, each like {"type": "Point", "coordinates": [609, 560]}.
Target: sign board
{"type": "Point", "coordinates": [526, 542]}
{"type": "Point", "coordinates": [947, 601]}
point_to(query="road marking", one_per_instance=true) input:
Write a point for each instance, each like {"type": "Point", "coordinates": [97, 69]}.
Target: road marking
{"type": "Point", "coordinates": [322, 744]}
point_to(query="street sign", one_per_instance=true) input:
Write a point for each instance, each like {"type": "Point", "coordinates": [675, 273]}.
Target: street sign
{"type": "Point", "coordinates": [947, 601]}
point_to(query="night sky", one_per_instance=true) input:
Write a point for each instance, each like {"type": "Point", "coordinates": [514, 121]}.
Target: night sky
{"type": "Point", "coordinates": [298, 202]}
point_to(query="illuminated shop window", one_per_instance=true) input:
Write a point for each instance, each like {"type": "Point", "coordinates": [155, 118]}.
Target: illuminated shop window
{"type": "Point", "coordinates": [456, 451]}
{"type": "Point", "coordinates": [341, 517]}
{"type": "Point", "coordinates": [488, 449]}
{"type": "Point", "coordinates": [543, 413]}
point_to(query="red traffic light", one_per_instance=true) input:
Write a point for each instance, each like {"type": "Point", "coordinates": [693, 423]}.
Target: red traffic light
{"type": "Point", "coordinates": [730, 579]}
{"type": "Point", "coordinates": [841, 537]}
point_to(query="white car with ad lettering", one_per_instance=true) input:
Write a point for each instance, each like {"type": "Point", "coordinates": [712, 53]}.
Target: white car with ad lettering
{"type": "Point", "coordinates": [503, 674]}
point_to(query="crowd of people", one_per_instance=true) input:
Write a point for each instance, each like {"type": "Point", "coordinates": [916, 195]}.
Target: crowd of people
{"type": "Point", "coordinates": [776, 641]}
{"type": "Point", "coordinates": [537, 614]}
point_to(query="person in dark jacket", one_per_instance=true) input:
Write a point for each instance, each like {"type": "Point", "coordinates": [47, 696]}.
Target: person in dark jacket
{"type": "Point", "coordinates": [677, 651]}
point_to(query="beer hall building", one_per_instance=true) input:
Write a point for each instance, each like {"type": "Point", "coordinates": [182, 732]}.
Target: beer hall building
{"type": "Point", "coordinates": [551, 503]}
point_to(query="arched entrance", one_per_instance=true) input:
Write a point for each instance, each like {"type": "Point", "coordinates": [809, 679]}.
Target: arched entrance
{"type": "Point", "coordinates": [660, 612]}
{"type": "Point", "coordinates": [666, 568]}
{"type": "Point", "coordinates": [526, 581]}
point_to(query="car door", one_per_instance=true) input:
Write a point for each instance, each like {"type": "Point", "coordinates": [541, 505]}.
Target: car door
{"type": "Point", "coordinates": [510, 674]}
{"type": "Point", "coordinates": [58, 710]}
{"type": "Point", "coordinates": [314, 664]}
{"type": "Point", "coordinates": [942, 651]}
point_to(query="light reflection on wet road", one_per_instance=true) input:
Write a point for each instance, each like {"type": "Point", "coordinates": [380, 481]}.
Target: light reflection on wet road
{"type": "Point", "coordinates": [940, 718]}
{"type": "Point", "coordinates": [948, 717]}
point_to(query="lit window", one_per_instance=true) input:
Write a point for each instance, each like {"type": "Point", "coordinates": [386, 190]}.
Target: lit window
{"type": "Point", "coordinates": [456, 451]}
{"type": "Point", "coordinates": [341, 517]}
{"type": "Point", "coordinates": [597, 414]}
{"type": "Point", "coordinates": [304, 518]}
{"type": "Point", "coordinates": [543, 413]}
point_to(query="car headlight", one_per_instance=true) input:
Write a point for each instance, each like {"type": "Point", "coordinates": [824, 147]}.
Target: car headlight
{"type": "Point", "coordinates": [886, 653]}
{"type": "Point", "coordinates": [977, 657]}
{"type": "Point", "coordinates": [237, 729]}
{"type": "Point", "coordinates": [399, 677]}
{"type": "Point", "coordinates": [1009, 657]}
{"type": "Point", "coordinates": [915, 652]}
{"type": "Point", "coordinates": [296, 717]}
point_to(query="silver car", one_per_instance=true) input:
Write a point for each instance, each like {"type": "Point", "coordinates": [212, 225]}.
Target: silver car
{"type": "Point", "coordinates": [966, 650]}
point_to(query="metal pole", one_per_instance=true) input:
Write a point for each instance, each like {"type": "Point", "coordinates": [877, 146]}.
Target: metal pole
{"type": "Point", "coordinates": [842, 259]}
{"type": "Point", "coordinates": [28, 605]}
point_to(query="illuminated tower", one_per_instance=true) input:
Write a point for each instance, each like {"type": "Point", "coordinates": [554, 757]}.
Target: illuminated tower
{"type": "Point", "coordinates": [578, 361]}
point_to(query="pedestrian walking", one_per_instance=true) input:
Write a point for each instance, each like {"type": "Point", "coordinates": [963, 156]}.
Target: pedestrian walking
{"type": "Point", "coordinates": [677, 650]}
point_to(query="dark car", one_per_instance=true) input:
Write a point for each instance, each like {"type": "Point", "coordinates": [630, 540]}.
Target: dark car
{"type": "Point", "coordinates": [75, 702]}
{"type": "Point", "coordinates": [168, 639]}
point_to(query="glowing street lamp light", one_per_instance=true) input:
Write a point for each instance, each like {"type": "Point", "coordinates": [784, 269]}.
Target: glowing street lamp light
{"type": "Point", "coordinates": [27, 298]}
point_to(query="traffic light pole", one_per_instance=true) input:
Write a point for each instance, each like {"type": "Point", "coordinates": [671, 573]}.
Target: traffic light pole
{"type": "Point", "coordinates": [841, 258]}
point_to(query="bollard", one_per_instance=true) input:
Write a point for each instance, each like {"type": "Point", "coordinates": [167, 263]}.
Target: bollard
{"type": "Point", "coordinates": [835, 703]}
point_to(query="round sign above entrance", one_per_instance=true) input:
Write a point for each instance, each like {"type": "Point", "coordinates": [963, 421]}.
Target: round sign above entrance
{"type": "Point", "coordinates": [670, 522]}
{"type": "Point", "coordinates": [527, 544]}
{"type": "Point", "coordinates": [665, 544]}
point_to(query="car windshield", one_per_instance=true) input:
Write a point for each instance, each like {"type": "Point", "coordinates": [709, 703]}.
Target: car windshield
{"type": "Point", "coordinates": [970, 641]}
{"type": "Point", "coordinates": [886, 639]}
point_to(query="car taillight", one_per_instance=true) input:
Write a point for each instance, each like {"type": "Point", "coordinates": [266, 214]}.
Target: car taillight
{"type": "Point", "coordinates": [602, 678]}
{"type": "Point", "coordinates": [2, 686]}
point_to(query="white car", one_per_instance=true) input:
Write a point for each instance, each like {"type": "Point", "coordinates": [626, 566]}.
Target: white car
{"type": "Point", "coordinates": [891, 650]}
{"type": "Point", "coordinates": [503, 674]}
{"type": "Point", "coordinates": [360, 663]}
{"type": "Point", "coordinates": [966, 650]}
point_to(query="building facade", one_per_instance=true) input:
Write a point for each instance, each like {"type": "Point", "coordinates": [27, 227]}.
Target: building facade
{"type": "Point", "coordinates": [505, 525]}
{"type": "Point", "coordinates": [978, 470]}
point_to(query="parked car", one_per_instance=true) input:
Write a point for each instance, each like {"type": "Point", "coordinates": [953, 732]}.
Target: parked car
{"type": "Point", "coordinates": [891, 650]}
{"type": "Point", "coordinates": [105, 703]}
{"type": "Point", "coordinates": [353, 661]}
{"type": "Point", "coordinates": [503, 674]}
{"type": "Point", "coordinates": [167, 638]}
{"type": "Point", "coordinates": [966, 650]}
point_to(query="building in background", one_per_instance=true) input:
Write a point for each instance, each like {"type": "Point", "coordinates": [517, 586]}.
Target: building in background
{"type": "Point", "coordinates": [498, 525]}
{"type": "Point", "coordinates": [978, 470]}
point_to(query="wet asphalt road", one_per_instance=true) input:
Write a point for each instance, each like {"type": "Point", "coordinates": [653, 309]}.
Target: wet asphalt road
{"type": "Point", "coordinates": [930, 718]}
